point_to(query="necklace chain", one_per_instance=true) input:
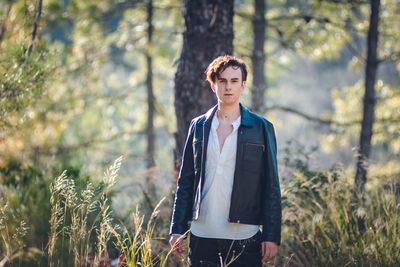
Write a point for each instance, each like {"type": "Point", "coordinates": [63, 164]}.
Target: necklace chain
{"type": "Point", "coordinates": [223, 116]}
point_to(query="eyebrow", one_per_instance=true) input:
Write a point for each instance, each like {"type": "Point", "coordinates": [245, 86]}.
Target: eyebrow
{"type": "Point", "coordinates": [232, 79]}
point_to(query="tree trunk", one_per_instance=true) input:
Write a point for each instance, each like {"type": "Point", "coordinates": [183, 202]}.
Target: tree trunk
{"type": "Point", "coordinates": [150, 162]}
{"type": "Point", "coordinates": [208, 34]}
{"type": "Point", "coordinates": [369, 98]}
{"type": "Point", "coordinates": [258, 57]}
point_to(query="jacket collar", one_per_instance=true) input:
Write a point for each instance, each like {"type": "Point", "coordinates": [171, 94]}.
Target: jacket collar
{"type": "Point", "coordinates": [246, 119]}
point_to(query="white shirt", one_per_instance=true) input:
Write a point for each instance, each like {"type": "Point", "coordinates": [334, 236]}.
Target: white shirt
{"type": "Point", "coordinates": [216, 194]}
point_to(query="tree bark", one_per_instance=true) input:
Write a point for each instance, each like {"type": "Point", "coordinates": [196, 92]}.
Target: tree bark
{"type": "Point", "coordinates": [150, 162]}
{"type": "Point", "coordinates": [208, 34]}
{"type": "Point", "coordinates": [369, 99]}
{"type": "Point", "coordinates": [258, 57]}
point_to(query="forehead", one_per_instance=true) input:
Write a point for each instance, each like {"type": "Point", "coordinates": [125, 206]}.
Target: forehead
{"type": "Point", "coordinates": [231, 73]}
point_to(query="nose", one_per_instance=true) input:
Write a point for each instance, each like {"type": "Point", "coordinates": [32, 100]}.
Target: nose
{"type": "Point", "coordinates": [228, 86]}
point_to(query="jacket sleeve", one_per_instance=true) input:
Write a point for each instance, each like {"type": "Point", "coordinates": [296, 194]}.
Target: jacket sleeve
{"type": "Point", "coordinates": [272, 211]}
{"type": "Point", "coordinates": [183, 203]}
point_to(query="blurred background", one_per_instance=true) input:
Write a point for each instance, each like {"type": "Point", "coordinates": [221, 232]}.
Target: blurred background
{"type": "Point", "coordinates": [85, 82]}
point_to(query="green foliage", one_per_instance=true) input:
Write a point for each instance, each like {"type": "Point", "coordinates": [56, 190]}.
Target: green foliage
{"type": "Point", "coordinates": [13, 234]}
{"type": "Point", "coordinates": [347, 104]}
{"type": "Point", "coordinates": [26, 191]}
{"type": "Point", "coordinates": [25, 212]}
{"type": "Point", "coordinates": [25, 205]}
{"type": "Point", "coordinates": [22, 81]}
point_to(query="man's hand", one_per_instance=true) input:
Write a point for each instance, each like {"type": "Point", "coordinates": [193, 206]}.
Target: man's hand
{"type": "Point", "coordinates": [268, 250]}
{"type": "Point", "coordinates": [177, 243]}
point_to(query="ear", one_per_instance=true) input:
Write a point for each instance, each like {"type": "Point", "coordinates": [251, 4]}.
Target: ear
{"type": "Point", "coordinates": [243, 84]}
{"type": "Point", "coordinates": [213, 87]}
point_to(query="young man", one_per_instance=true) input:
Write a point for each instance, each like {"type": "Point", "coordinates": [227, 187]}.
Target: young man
{"type": "Point", "coordinates": [228, 183]}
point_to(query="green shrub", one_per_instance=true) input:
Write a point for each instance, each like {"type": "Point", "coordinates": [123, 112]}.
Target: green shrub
{"type": "Point", "coordinates": [25, 209]}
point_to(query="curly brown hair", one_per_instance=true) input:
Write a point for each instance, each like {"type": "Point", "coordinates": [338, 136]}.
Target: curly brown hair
{"type": "Point", "coordinates": [219, 64]}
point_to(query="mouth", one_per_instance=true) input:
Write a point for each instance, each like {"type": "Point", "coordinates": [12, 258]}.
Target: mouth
{"type": "Point", "coordinates": [228, 94]}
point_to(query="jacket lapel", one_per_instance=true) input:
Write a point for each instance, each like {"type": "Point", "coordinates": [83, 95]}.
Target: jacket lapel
{"type": "Point", "coordinates": [206, 133]}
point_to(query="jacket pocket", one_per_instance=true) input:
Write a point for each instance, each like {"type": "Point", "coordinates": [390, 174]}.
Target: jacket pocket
{"type": "Point", "coordinates": [252, 157]}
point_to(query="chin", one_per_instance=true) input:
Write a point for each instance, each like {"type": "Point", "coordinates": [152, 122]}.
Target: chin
{"type": "Point", "coordinates": [229, 102]}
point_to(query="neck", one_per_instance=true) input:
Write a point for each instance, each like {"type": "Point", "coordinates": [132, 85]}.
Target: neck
{"type": "Point", "coordinates": [228, 112]}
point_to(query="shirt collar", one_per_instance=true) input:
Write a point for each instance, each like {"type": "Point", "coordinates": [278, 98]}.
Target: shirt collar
{"type": "Point", "coordinates": [236, 123]}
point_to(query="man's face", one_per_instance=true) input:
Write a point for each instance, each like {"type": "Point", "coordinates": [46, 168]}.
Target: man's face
{"type": "Point", "coordinates": [229, 86]}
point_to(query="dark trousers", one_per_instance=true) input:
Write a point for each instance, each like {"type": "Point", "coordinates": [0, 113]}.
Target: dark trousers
{"type": "Point", "coordinates": [213, 252]}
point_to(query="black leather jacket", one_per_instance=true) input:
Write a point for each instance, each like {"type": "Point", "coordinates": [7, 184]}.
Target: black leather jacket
{"type": "Point", "coordinates": [256, 197]}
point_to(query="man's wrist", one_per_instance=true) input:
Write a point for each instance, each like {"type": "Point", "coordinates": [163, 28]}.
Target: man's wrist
{"type": "Point", "coordinates": [267, 241]}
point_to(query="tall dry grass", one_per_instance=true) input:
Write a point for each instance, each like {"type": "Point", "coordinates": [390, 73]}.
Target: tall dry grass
{"type": "Point", "coordinates": [13, 230]}
{"type": "Point", "coordinates": [321, 222]}
{"type": "Point", "coordinates": [88, 241]}
{"type": "Point", "coordinates": [321, 216]}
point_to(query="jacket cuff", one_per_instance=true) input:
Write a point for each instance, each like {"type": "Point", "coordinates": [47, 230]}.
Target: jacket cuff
{"type": "Point", "coordinates": [271, 235]}
{"type": "Point", "coordinates": [178, 229]}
